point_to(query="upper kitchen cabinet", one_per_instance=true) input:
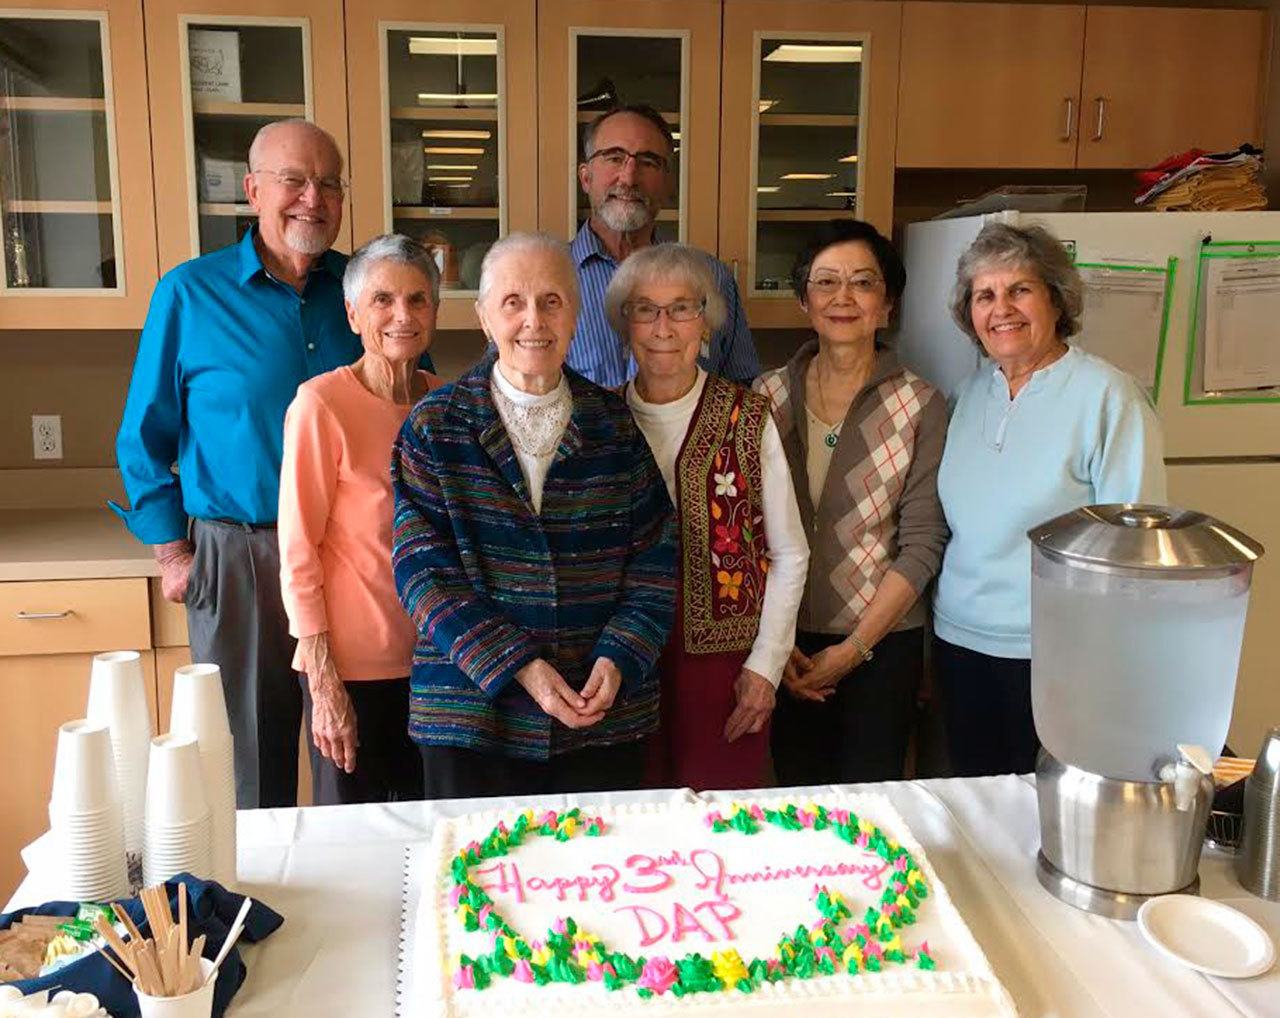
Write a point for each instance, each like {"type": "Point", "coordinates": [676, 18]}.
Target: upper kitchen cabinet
{"type": "Point", "coordinates": [219, 70]}
{"type": "Point", "coordinates": [809, 98]}
{"type": "Point", "coordinates": [990, 85]}
{"type": "Point", "coordinates": [76, 206]}
{"type": "Point", "coordinates": [665, 54]}
{"type": "Point", "coordinates": [1158, 81]}
{"type": "Point", "coordinates": [444, 130]}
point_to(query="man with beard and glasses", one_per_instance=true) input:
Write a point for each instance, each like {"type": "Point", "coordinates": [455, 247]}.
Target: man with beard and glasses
{"type": "Point", "coordinates": [228, 339]}
{"type": "Point", "coordinates": [626, 174]}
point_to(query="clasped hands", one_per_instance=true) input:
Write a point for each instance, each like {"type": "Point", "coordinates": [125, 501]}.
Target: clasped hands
{"type": "Point", "coordinates": [571, 708]}
{"type": "Point", "coordinates": [815, 678]}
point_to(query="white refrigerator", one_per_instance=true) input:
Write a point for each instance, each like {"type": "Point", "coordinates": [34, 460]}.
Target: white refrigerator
{"type": "Point", "coordinates": [1168, 324]}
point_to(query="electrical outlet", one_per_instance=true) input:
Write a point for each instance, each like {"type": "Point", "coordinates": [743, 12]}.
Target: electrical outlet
{"type": "Point", "coordinates": [46, 436]}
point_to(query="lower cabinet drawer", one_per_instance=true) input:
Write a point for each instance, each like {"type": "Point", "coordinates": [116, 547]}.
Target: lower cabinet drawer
{"type": "Point", "coordinates": [73, 616]}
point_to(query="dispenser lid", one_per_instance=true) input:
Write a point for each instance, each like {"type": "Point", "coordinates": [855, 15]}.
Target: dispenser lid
{"type": "Point", "coordinates": [1147, 537]}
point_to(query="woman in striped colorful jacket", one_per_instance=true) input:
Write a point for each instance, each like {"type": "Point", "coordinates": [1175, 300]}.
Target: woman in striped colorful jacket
{"type": "Point", "coordinates": [534, 549]}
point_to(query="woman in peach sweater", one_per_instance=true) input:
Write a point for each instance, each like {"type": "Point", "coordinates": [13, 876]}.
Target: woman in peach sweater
{"type": "Point", "coordinates": [355, 641]}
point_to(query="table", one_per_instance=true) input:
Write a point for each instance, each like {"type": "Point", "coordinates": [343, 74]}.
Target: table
{"type": "Point", "coordinates": [336, 875]}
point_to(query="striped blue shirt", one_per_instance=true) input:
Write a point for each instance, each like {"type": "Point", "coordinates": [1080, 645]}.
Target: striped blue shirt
{"type": "Point", "coordinates": [596, 350]}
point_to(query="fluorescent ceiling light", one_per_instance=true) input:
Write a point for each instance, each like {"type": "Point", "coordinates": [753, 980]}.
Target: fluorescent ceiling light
{"type": "Point", "coordinates": [842, 194]}
{"type": "Point", "coordinates": [450, 180]}
{"type": "Point", "coordinates": [449, 166]}
{"type": "Point", "coordinates": [434, 46]}
{"type": "Point", "coordinates": [772, 189]}
{"type": "Point", "coordinates": [675, 135]}
{"type": "Point", "coordinates": [806, 176]}
{"type": "Point", "coordinates": [816, 53]}
{"type": "Point", "coordinates": [767, 104]}
{"type": "Point", "coordinates": [445, 150]}
{"type": "Point", "coordinates": [448, 97]}
{"type": "Point", "coordinates": [849, 158]}
{"type": "Point", "coordinates": [475, 135]}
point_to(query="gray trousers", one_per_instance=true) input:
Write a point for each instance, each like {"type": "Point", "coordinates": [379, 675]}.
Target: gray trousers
{"type": "Point", "coordinates": [236, 620]}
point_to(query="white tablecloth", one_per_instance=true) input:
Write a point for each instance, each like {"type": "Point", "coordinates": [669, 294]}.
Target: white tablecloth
{"type": "Point", "coordinates": [335, 873]}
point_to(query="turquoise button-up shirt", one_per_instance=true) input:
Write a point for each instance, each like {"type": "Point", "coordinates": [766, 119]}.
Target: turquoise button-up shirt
{"type": "Point", "coordinates": [223, 351]}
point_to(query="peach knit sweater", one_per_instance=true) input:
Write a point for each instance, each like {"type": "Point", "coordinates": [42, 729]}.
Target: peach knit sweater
{"type": "Point", "coordinates": [335, 525]}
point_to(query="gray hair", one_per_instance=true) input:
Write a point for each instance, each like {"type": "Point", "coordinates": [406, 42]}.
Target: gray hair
{"type": "Point", "coordinates": [390, 247]}
{"type": "Point", "coordinates": [641, 110]}
{"type": "Point", "coordinates": [265, 132]}
{"type": "Point", "coordinates": [673, 263]}
{"type": "Point", "coordinates": [528, 243]}
{"type": "Point", "coordinates": [1001, 245]}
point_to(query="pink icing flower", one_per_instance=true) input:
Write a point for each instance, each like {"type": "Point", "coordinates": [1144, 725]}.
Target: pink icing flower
{"type": "Point", "coordinates": [819, 953]}
{"type": "Point", "coordinates": [873, 949]}
{"type": "Point", "coordinates": [714, 817]}
{"type": "Point", "coordinates": [473, 846]}
{"type": "Point", "coordinates": [840, 816]}
{"type": "Point", "coordinates": [817, 927]}
{"type": "Point", "coordinates": [502, 828]}
{"type": "Point", "coordinates": [464, 978]}
{"type": "Point", "coordinates": [924, 948]}
{"type": "Point", "coordinates": [862, 841]}
{"type": "Point", "coordinates": [756, 812]}
{"type": "Point", "coordinates": [559, 927]}
{"type": "Point", "coordinates": [607, 969]}
{"type": "Point", "coordinates": [536, 946]}
{"type": "Point", "coordinates": [817, 890]}
{"type": "Point", "coordinates": [806, 818]}
{"type": "Point", "coordinates": [595, 972]}
{"type": "Point", "coordinates": [773, 966]}
{"type": "Point", "coordinates": [891, 909]}
{"type": "Point", "coordinates": [549, 817]}
{"type": "Point", "coordinates": [484, 913]}
{"type": "Point", "coordinates": [455, 896]}
{"type": "Point", "coordinates": [523, 972]}
{"type": "Point", "coordinates": [862, 930]}
{"type": "Point", "coordinates": [901, 864]}
{"type": "Point", "coordinates": [659, 975]}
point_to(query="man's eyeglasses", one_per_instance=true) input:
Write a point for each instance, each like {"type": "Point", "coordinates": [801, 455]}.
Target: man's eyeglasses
{"type": "Point", "coordinates": [296, 182]}
{"type": "Point", "coordinates": [828, 284]}
{"type": "Point", "coordinates": [646, 312]}
{"type": "Point", "coordinates": [616, 159]}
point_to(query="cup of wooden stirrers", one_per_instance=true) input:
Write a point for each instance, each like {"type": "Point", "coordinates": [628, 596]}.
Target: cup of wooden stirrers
{"type": "Point", "coordinates": [170, 977]}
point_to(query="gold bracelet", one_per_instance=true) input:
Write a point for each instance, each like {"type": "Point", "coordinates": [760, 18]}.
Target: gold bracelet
{"type": "Point", "coordinates": [860, 647]}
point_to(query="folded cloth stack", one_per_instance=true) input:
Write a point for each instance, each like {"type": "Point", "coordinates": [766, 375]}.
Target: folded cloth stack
{"type": "Point", "coordinates": [211, 910]}
{"type": "Point", "coordinates": [1199, 181]}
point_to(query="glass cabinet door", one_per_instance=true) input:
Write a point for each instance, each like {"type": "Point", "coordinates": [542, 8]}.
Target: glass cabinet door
{"type": "Point", "coordinates": [63, 166]}
{"type": "Point", "coordinates": [442, 133]}
{"type": "Point", "coordinates": [804, 90]}
{"type": "Point", "coordinates": [664, 55]}
{"type": "Point", "coordinates": [220, 70]}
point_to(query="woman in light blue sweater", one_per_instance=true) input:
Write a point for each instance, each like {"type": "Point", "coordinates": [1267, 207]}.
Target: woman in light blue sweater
{"type": "Point", "coordinates": [1039, 429]}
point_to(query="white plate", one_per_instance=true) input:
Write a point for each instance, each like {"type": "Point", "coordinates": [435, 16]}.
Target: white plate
{"type": "Point", "coordinates": [1207, 935]}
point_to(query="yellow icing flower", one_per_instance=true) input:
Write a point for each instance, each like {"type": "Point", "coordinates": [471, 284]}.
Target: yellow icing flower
{"type": "Point", "coordinates": [729, 968]}
{"type": "Point", "coordinates": [785, 951]}
{"type": "Point", "coordinates": [893, 845]}
{"type": "Point", "coordinates": [528, 816]}
{"type": "Point", "coordinates": [509, 945]}
{"type": "Point", "coordinates": [894, 943]}
{"type": "Point", "coordinates": [570, 825]}
{"type": "Point", "coordinates": [915, 877]}
{"type": "Point", "coordinates": [884, 924]}
{"type": "Point", "coordinates": [902, 901]}
{"type": "Point", "coordinates": [586, 957]}
{"type": "Point", "coordinates": [852, 955]}
{"type": "Point", "coordinates": [541, 956]}
{"type": "Point", "coordinates": [589, 938]}
{"type": "Point", "coordinates": [464, 910]}
{"type": "Point", "coordinates": [866, 826]}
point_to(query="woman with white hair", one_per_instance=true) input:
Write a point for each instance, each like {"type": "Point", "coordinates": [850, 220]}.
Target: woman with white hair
{"type": "Point", "coordinates": [1039, 429]}
{"type": "Point", "coordinates": [355, 642]}
{"type": "Point", "coordinates": [743, 553]}
{"type": "Point", "coordinates": [533, 548]}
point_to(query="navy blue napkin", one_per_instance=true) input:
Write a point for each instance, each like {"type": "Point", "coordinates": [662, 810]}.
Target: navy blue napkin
{"type": "Point", "coordinates": [211, 909]}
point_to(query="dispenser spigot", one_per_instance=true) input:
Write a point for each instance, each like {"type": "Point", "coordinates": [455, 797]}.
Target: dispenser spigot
{"type": "Point", "coordinates": [1193, 763]}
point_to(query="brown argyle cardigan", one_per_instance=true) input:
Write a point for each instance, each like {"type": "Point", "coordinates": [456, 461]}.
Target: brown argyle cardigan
{"type": "Point", "coordinates": [879, 508]}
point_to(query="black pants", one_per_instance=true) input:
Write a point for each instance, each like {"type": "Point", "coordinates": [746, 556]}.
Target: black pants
{"type": "Point", "coordinates": [861, 732]}
{"type": "Point", "coordinates": [986, 707]}
{"type": "Point", "coordinates": [451, 773]}
{"type": "Point", "coordinates": [388, 768]}
{"type": "Point", "coordinates": [236, 620]}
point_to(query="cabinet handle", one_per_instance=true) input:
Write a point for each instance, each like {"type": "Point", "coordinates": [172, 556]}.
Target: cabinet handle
{"type": "Point", "coordinates": [1101, 104]}
{"type": "Point", "coordinates": [735, 273]}
{"type": "Point", "coordinates": [26, 616]}
{"type": "Point", "coordinates": [1069, 129]}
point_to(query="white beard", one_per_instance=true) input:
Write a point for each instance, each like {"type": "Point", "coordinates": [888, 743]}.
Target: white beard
{"type": "Point", "coordinates": [307, 238]}
{"type": "Point", "coordinates": [624, 216]}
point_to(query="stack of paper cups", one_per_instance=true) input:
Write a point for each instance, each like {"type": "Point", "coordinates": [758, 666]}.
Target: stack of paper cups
{"type": "Point", "coordinates": [177, 831]}
{"type": "Point", "coordinates": [84, 815]}
{"type": "Point", "coordinates": [200, 709]}
{"type": "Point", "coordinates": [118, 699]}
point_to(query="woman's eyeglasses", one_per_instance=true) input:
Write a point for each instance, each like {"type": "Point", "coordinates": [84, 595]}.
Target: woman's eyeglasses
{"type": "Point", "coordinates": [828, 284]}
{"type": "Point", "coordinates": [646, 313]}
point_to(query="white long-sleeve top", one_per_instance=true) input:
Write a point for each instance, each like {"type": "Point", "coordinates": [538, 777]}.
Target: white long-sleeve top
{"type": "Point", "coordinates": [542, 419]}
{"type": "Point", "coordinates": [665, 426]}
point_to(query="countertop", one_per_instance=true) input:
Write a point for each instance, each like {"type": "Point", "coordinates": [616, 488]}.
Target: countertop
{"type": "Point", "coordinates": [69, 544]}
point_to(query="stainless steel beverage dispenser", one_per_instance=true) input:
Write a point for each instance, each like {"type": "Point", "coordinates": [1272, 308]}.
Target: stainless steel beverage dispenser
{"type": "Point", "coordinates": [1137, 618]}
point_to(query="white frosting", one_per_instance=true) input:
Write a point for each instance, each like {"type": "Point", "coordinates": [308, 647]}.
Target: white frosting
{"type": "Point", "coordinates": [714, 892]}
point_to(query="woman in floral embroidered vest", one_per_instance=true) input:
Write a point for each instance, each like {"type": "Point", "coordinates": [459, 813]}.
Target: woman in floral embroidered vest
{"type": "Point", "coordinates": [863, 438]}
{"type": "Point", "coordinates": [722, 460]}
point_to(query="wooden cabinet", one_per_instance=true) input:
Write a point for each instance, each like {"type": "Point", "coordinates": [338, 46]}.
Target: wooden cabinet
{"type": "Point", "coordinates": [664, 54]}
{"type": "Point", "coordinates": [809, 97]}
{"type": "Point", "coordinates": [77, 218]}
{"type": "Point", "coordinates": [989, 85]}
{"type": "Point", "coordinates": [1007, 86]}
{"type": "Point", "coordinates": [1158, 81]}
{"type": "Point", "coordinates": [443, 101]}
{"type": "Point", "coordinates": [219, 70]}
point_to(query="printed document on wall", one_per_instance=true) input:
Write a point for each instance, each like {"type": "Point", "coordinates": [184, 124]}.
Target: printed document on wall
{"type": "Point", "coordinates": [1242, 323]}
{"type": "Point", "coordinates": [1123, 317]}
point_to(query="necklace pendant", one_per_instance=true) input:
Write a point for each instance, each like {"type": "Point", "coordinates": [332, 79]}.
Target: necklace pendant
{"type": "Point", "coordinates": [831, 439]}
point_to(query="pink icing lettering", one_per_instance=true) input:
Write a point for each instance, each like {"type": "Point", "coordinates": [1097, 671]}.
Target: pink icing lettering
{"type": "Point", "coordinates": [710, 867]}
{"type": "Point", "coordinates": [644, 917]}
{"type": "Point", "coordinates": [723, 912]}
{"type": "Point", "coordinates": [645, 867]}
{"type": "Point", "coordinates": [507, 880]}
{"type": "Point", "coordinates": [684, 923]}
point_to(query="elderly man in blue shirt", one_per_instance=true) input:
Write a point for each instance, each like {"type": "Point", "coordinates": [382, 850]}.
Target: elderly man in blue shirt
{"type": "Point", "coordinates": [228, 339]}
{"type": "Point", "coordinates": [626, 175]}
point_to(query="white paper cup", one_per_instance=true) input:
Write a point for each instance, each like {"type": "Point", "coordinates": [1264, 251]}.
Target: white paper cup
{"type": "Point", "coordinates": [197, 1004]}
{"type": "Point", "coordinates": [117, 690]}
{"type": "Point", "coordinates": [84, 774]}
{"type": "Point", "coordinates": [175, 784]}
{"type": "Point", "coordinates": [199, 705]}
